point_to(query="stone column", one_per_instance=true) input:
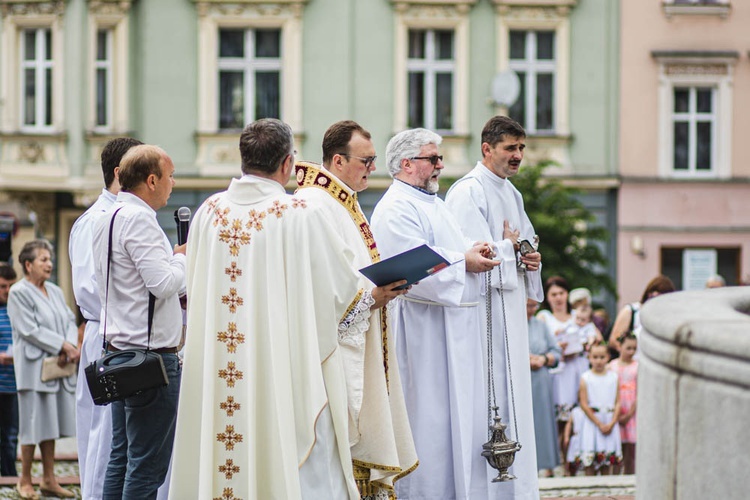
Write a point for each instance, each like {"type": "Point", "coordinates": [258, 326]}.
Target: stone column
{"type": "Point", "coordinates": [694, 396]}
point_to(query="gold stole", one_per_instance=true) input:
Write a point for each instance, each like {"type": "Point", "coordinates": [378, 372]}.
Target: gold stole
{"type": "Point", "coordinates": [313, 175]}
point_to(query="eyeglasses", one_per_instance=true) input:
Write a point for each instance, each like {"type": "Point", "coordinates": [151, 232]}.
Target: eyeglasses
{"type": "Point", "coordinates": [434, 159]}
{"type": "Point", "coordinates": [367, 160]}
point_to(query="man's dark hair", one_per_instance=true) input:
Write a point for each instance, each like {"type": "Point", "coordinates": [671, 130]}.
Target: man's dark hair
{"type": "Point", "coordinates": [138, 163]}
{"type": "Point", "coordinates": [112, 154]}
{"type": "Point", "coordinates": [7, 272]}
{"type": "Point", "coordinates": [264, 144]}
{"type": "Point", "coordinates": [337, 137]}
{"type": "Point", "coordinates": [498, 127]}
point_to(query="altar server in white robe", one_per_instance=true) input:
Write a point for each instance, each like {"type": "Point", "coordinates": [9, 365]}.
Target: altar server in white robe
{"type": "Point", "coordinates": [488, 207]}
{"type": "Point", "coordinates": [439, 339]}
{"type": "Point", "coordinates": [93, 423]}
{"type": "Point", "coordinates": [263, 409]}
{"type": "Point", "coordinates": [379, 434]}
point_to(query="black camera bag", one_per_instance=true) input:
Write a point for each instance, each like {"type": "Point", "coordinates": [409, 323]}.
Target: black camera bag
{"type": "Point", "coordinates": [135, 370]}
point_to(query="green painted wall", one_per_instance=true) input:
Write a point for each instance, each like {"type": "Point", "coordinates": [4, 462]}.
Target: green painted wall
{"type": "Point", "coordinates": [594, 62]}
{"type": "Point", "coordinates": [347, 70]}
{"type": "Point", "coordinates": [482, 68]}
{"type": "Point", "coordinates": [164, 69]}
{"type": "Point", "coordinates": [75, 90]}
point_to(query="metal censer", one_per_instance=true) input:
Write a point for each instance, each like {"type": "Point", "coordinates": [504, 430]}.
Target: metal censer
{"type": "Point", "coordinates": [500, 451]}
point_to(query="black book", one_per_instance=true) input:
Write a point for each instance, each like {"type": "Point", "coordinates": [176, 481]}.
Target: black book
{"type": "Point", "coordinates": [412, 266]}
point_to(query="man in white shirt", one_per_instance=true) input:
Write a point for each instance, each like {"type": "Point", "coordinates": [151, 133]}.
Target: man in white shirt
{"type": "Point", "coordinates": [93, 423]}
{"type": "Point", "coordinates": [437, 325]}
{"type": "Point", "coordinates": [142, 262]}
{"type": "Point", "coordinates": [488, 207]}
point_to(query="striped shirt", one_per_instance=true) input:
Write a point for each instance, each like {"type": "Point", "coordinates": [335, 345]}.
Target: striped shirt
{"type": "Point", "coordinates": [7, 375]}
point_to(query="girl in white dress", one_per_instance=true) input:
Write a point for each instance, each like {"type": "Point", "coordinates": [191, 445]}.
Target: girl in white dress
{"type": "Point", "coordinates": [572, 440]}
{"type": "Point", "coordinates": [599, 398]}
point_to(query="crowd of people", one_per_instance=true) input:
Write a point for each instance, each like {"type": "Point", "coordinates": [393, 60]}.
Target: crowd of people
{"type": "Point", "coordinates": [585, 380]}
{"type": "Point", "coordinates": [290, 374]}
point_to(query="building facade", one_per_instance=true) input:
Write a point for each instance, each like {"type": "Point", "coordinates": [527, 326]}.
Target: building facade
{"type": "Point", "coordinates": [188, 74]}
{"type": "Point", "coordinates": [685, 170]}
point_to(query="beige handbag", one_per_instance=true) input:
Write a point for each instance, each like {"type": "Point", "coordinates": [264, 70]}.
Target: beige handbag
{"type": "Point", "coordinates": [52, 371]}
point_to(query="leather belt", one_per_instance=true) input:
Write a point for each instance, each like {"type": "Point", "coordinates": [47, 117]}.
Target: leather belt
{"type": "Point", "coordinates": [162, 350]}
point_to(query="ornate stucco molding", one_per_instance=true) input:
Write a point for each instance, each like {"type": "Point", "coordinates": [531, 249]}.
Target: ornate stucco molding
{"type": "Point", "coordinates": [110, 7]}
{"type": "Point", "coordinates": [534, 9]}
{"type": "Point", "coordinates": [31, 7]}
{"type": "Point", "coordinates": [250, 8]}
{"type": "Point", "coordinates": [433, 8]}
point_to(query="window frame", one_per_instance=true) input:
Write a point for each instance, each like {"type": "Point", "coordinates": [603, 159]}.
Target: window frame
{"type": "Point", "coordinates": [533, 67]}
{"type": "Point", "coordinates": [11, 78]}
{"type": "Point", "coordinates": [211, 18]}
{"type": "Point", "coordinates": [692, 117]}
{"type": "Point", "coordinates": [430, 66]}
{"type": "Point", "coordinates": [696, 69]}
{"type": "Point", "coordinates": [249, 66]}
{"type": "Point", "coordinates": [511, 16]}
{"type": "Point", "coordinates": [107, 66]}
{"type": "Point", "coordinates": [416, 16]}
{"type": "Point", "coordinates": [116, 21]}
{"type": "Point", "coordinates": [40, 65]}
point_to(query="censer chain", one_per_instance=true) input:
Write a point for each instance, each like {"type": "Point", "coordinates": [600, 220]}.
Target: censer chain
{"type": "Point", "coordinates": [491, 396]}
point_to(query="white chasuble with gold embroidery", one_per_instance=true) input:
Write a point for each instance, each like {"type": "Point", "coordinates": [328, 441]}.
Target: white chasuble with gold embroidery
{"type": "Point", "coordinates": [263, 407]}
{"type": "Point", "coordinates": [379, 433]}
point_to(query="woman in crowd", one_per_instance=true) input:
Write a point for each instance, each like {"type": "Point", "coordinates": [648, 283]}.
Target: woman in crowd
{"type": "Point", "coordinates": [566, 376]}
{"type": "Point", "coordinates": [544, 353]}
{"type": "Point", "coordinates": [629, 318]}
{"type": "Point", "coordinates": [43, 327]}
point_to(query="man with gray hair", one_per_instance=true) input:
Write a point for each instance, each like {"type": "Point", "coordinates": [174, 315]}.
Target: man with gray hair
{"type": "Point", "coordinates": [437, 326]}
{"type": "Point", "coordinates": [263, 410]}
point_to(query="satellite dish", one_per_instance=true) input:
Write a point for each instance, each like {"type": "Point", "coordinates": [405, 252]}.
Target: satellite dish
{"type": "Point", "coordinates": [505, 88]}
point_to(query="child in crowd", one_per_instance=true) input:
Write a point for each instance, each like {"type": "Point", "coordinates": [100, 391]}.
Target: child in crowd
{"type": "Point", "coordinates": [627, 370]}
{"type": "Point", "coordinates": [599, 399]}
{"type": "Point", "coordinates": [572, 441]}
{"type": "Point", "coordinates": [583, 332]}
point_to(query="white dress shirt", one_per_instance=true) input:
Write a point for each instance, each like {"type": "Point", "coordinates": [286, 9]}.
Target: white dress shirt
{"type": "Point", "coordinates": [142, 262]}
{"type": "Point", "coordinates": [81, 260]}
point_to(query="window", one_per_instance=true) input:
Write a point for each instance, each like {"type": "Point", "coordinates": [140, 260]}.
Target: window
{"type": "Point", "coordinates": [694, 129]}
{"type": "Point", "coordinates": [690, 267]}
{"type": "Point", "coordinates": [108, 63]}
{"type": "Point", "coordinates": [249, 76]}
{"type": "Point", "coordinates": [36, 79]}
{"type": "Point", "coordinates": [103, 79]}
{"type": "Point", "coordinates": [695, 113]}
{"type": "Point", "coordinates": [430, 66]}
{"type": "Point", "coordinates": [532, 57]}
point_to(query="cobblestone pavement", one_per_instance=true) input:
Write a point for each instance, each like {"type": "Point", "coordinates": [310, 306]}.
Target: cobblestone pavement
{"type": "Point", "coordinates": [63, 468]}
{"type": "Point", "coordinates": [600, 487]}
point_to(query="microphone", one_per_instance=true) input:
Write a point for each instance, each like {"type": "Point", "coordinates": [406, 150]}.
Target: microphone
{"type": "Point", "coordinates": [182, 219]}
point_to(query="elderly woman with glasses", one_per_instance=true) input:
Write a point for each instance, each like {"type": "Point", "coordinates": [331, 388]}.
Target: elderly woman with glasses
{"type": "Point", "coordinates": [43, 327]}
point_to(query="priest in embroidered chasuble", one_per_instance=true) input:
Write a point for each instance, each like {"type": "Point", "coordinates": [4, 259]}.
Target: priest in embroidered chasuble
{"type": "Point", "coordinates": [379, 434]}
{"type": "Point", "coordinates": [484, 201]}
{"type": "Point", "coordinates": [263, 405]}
